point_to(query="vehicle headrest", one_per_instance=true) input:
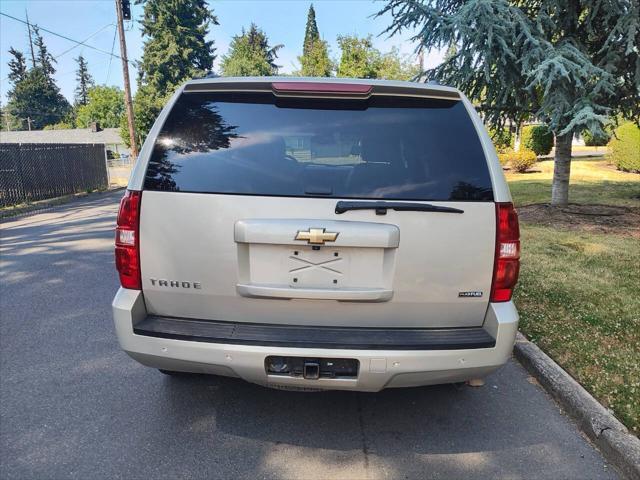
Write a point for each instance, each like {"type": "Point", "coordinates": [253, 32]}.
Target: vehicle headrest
{"type": "Point", "coordinates": [380, 148]}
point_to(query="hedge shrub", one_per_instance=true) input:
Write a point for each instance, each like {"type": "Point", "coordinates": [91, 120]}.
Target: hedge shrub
{"type": "Point", "coordinates": [502, 139]}
{"type": "Point", "coordinates": [624, 148]}
{"type": "Point", "coordinates": [537, 138]}
{"type": "Point", "coordinates": [520, 161]}
{"type": "Point", "coordinates": [504, 156]}
{"type": "Point", "coordinates": [591, 140]}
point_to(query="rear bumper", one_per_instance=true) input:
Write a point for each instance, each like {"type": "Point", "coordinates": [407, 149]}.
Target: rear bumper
{"type": "Point", "coordinates": [379, 367]}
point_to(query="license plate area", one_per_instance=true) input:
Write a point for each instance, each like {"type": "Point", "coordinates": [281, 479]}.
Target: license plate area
{"type": "Point", "coordinates": [325, 268]}
{"type": "Point", "coordinates": [316, 267]}
{"type": "Point", "coordinates": [312, 368]}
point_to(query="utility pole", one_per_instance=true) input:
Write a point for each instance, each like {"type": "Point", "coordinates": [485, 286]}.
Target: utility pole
{"type": "Point", "coordinates": [127, 87]}
{"type": "Point", "coordinates": [33, 57]}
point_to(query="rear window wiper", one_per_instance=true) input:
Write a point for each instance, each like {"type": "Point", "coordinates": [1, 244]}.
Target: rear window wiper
{"type": "Point", "coordinates": [382, 207]}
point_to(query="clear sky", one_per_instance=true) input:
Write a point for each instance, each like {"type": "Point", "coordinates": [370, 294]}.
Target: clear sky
{"type": "Point", "coordinates": [282, 20]}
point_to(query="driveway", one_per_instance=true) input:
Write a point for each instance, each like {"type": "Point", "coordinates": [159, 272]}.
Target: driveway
{"type": "Point", "coordinates": [72, 405]}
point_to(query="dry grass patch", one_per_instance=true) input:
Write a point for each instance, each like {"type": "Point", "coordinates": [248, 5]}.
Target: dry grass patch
{"type": "Point", "coordinates": [614, 219]}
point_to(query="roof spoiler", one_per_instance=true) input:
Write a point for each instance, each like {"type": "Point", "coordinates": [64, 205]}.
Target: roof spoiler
{"type": "Point", "coordinates": [328, 89]}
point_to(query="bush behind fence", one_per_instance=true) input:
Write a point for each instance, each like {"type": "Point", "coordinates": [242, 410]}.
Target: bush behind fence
{"type": "Point", "coordinates": [37, 171]}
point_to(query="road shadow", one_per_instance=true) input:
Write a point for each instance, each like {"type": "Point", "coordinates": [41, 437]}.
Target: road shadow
{"type": "Point", "coordinates": [448, 431]}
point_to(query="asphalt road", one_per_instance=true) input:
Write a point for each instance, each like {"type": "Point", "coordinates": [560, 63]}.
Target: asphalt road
{"type": "Point", "coordinates": [72, 405]}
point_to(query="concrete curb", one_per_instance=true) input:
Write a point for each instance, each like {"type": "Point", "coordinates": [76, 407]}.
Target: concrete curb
{"type": "Point", "coordinates": [620, 448]}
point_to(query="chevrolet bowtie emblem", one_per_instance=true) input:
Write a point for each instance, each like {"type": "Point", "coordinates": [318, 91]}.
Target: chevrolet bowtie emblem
{"type": "Point", "coordinates": [317, 236]}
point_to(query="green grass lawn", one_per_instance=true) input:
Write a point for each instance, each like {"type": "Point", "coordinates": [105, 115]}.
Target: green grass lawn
{"type": "Point", "coordinates": [592, 181]}
{"type": "Point", "coordinates": [579, 291]}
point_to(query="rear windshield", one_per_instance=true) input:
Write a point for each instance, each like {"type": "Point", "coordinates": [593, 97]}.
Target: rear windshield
{"type": "Point", "coordinates": [401, 148]}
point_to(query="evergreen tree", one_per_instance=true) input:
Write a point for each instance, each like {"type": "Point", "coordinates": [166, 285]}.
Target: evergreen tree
{"type": "Point", "coordinates": [315, 61]}
{"type": "Point", "coordinates": [311, 34]}
{"type": "Point", "coordinates": [34, 99]}
{"type": "Point", "coordinates": [259, 42]}
{"type": "Point", "coordinates": [359, 59]}
{"type": "Point", "coordinates": [17, 66]}
{"type": "Point", "coordinates": [175, 50]}
{"type": "Point", "coordinates": [570, 64]}
{"type": "Point", "coordinates": [250, 55]}
{"type": "Point", "coordinates": [85, 81]}
{"type": "Point", "coordinates": [37, 101]}
{"type": "Point", "coordinates": [4, 118]}
{"type": "Point", "coordinates": [44, 59]}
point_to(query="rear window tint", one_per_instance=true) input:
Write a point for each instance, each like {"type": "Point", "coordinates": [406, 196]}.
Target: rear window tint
{"type": "Point", "coordinates": [401, 148]}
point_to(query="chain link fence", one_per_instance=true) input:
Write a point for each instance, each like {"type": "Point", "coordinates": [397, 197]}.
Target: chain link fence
{"type": "Point", "coordinates": [37, 171]}
{"type": "Point", "coordinates": [119, 170]}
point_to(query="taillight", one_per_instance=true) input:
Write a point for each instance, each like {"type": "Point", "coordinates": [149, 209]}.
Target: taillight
{"type": "Point", "coordinates": [127, 241]}
{"type": "Point", "coordinates": [507, 261]}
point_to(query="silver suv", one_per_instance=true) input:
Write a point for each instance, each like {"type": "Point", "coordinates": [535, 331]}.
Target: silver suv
{"type": "Point", "coordinates": [318, 233]}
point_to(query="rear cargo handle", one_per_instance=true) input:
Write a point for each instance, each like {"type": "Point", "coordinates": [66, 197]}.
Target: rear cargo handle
{"type": "Point", "coordinates": [382, 207]}
{"type": "Point", "coordinates": [343, 294]}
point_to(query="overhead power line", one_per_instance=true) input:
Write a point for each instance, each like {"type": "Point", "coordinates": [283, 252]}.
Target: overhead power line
{"type": "Point", "coordinates": [66, 38]}
{"type": "Point", "coordinates": [83, 42]}
{"type": "Point", "coordinates": [113, 44]}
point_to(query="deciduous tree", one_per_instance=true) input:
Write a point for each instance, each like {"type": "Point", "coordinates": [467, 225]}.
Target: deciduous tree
{"type": "Point", "coordinates": [147, 105]}
{"type": "Point", "coordinates": [105, 105]}
{"type": "Point", "coordinates": [358, 59]}
{"type": "Point", "coordinates": [393, 66]}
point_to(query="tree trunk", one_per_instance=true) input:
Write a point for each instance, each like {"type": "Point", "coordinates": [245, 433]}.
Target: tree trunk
{"type": "Point", "coordinates": [561, 170]}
